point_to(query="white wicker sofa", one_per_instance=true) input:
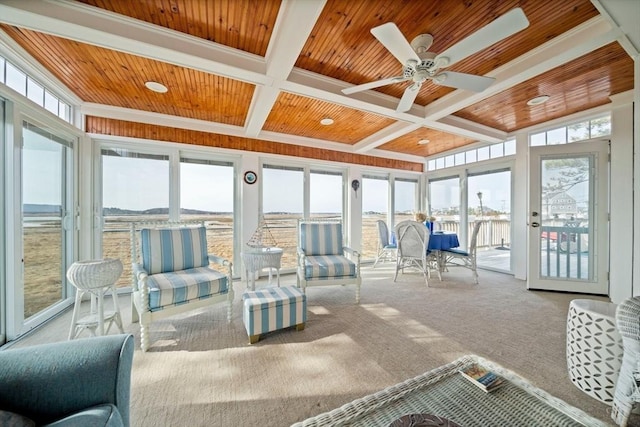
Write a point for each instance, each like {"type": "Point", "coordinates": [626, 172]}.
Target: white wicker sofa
{"type": "Point", "coordinates": [172, 273]}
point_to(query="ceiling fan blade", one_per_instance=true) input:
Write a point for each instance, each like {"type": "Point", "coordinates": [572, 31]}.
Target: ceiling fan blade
{"type": "Point", "coordinates": [408, 97]}
{"type": "Point", "coordinates": [390, 36]}
{"type": "Point", "coordinates": [501, 28]}
{"type": "Point", "coordinates": [463, 81]}
{"type": "Point", "coordinates": [371, 85]}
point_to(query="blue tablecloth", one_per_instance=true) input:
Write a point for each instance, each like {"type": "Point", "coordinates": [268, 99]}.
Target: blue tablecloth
{"type": "Point", "coordinates": [443, 240]}
{"type": "Point", "coordinates": [438, 240]}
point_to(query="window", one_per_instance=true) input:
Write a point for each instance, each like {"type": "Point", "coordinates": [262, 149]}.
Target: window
{"type": "Point", "coordinates": [325, 194]}
{"type": "Point", "coordinates": [282, 206]}
{"type": "Point", "coordinates": [580, 131]}
{"type": "Point", "coordinates": [25, 85]}
{"type": "Point", "coordinates": [146, 180]}
{"type": "Point", "coordinates": [405, 199]}
{"type": "Point", "coordinates": [375, 206]}
{"type": "Point", "coordinates": [47, 163]}
{"type": "Point", "coordinates": [501, 149]}
{"type": "Point", "coordinates": [444, 199]}
{"type": "Point", "coordinates": [207, 194]}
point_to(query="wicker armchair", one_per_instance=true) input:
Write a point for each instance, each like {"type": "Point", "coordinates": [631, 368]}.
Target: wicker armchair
{"type": "Point", "coordinates": [322, 259]}
{"type": "Point", "coordinates": [627, 392]}
{"type": "Point", "coordinates": [413, 242]}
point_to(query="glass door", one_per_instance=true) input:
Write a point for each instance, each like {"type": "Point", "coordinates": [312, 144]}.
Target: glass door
{"type": "Point", "coordinates": [568, 225]}
{"type": "Point", "coordinates": [489, 200]}
{"type": "Point", "coordinates": [47, 224]}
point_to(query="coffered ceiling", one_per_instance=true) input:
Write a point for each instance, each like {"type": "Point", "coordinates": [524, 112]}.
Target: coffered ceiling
{"type": "Point", "coordinates": [270, 70]}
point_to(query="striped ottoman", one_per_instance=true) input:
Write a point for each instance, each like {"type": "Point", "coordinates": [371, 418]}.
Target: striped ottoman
{"type": "Point", "coordinates": [270, 309]}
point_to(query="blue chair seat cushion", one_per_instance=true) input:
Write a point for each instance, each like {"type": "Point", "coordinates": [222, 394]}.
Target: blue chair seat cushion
{"type": "Point", "coordinates": [328, 267]}
{"type": "Point", "coordinates": [457, 251]}
{"type": "Point", "coordinates": [179, 287]}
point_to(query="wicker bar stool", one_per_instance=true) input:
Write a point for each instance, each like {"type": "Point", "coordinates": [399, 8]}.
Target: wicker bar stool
{"type": "Point", "coordinates": [96, 278]}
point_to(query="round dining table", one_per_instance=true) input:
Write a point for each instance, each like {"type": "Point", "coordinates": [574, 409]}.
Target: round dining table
{"type": "Point", "coordinates": [442, 240]}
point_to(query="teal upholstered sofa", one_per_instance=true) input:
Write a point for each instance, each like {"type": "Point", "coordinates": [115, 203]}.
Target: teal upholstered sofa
{"type": "Point", "coordinates": [78, 383]}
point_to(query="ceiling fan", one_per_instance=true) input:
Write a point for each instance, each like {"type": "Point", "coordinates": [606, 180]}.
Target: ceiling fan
{"type": "Point", "coordinates": [420, 65]}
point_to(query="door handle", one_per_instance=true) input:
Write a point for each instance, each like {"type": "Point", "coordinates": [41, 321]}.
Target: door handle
{"type": "Point", "coordinates": [535, 224]}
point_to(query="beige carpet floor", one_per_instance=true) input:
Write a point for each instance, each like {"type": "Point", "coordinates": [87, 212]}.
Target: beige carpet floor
{"type": "Point", "coordinates": [201, 371]}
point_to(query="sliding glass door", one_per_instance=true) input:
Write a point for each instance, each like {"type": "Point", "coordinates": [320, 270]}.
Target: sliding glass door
{"type": "Point", "coordinates": [47, 223]}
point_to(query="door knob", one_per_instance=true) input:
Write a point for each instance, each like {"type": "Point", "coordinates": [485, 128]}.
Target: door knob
{"type": "Point", "coordinates": [535, 224]}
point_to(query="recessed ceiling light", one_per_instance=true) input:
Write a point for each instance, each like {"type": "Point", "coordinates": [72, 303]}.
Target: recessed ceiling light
{"type": "Point", "coordinates": [326, 121]}
{"type": "Point", "coordinates": [538, 100]}
{"type": "Point", "coordinates": [424, 141]}
{"type": "Point", "coordinates": [156, 87]}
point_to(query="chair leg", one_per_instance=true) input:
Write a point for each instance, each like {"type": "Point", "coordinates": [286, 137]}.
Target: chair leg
{"type": "Point", "coordinates": [229, 310]}
{"type": "Point", "coordinates": [145, 339]}
{"type": "Point", "coordinates": [117, 318]}
{"type": "Point", "coordinates": [73, 331]}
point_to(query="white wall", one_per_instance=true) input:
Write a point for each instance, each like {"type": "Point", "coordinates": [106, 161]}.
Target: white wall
{"type": "Point", "coordinates": [520, 210]}
{"type": "Point", "coordinates": [621, 200]}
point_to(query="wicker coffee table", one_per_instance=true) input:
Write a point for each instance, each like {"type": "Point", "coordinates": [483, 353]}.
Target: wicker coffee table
{"type": "Point", "coordinates": [443, 391]}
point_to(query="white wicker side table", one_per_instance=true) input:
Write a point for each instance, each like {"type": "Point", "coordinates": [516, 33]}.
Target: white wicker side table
{"type": "Point", "coordinates": [95, 278]}
{"type": "Point", "coordinates": [257, 259]}
{"type": "Point", "coordinates": [594, 348]}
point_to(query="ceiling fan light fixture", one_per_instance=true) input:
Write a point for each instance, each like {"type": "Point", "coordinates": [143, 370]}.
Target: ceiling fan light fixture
{"type": "Point", "coordinates": [424, 141]}
{"type": "Point", "coordinates": [156, 87]}
{"type": "Point", "coordinates": [538, 100]}
{"type": "Point", "coordinates": [327, 121]}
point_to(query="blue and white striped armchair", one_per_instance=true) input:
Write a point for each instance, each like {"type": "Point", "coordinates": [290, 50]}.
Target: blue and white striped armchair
{"type": "Point", "coordinates": [172, 274]}
{"type": "Point", "coordinates": [322, 258]}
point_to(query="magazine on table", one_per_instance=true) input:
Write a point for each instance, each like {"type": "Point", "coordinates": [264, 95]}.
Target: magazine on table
{"type": "Point", "coordinates": [482, 377]}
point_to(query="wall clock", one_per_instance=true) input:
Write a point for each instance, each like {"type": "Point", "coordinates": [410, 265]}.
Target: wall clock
{"type": "Point", "coordinates": [250, 177]}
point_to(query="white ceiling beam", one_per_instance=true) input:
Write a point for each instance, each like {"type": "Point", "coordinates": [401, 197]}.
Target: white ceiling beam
{"type": "Point", "coordinates": [293, 26]}
{"type": "Point", "coordinates": [573, 44]}
{"type": "Point", "coordinates": [159, 119]}
{"type": "Point", "coordinates": [623, 14]}
{"type": "Point", "coordinates": [86, 24]}
{"type": "Point", "coordinates": [385, 135]}
{"type": "Point", "coordinates": [470, 129]}
{"type": "Point", "coordinates": [327, 89]}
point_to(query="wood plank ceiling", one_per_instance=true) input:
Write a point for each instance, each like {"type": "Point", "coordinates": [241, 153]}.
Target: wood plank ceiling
{"type": "Point", "coordinates": [260, 75]}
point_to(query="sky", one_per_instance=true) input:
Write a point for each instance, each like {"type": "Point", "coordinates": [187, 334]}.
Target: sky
{"type": "Point", "coordinates": [210, 187]}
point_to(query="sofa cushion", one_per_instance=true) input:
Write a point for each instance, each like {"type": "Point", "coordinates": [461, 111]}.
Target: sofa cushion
{"type": "Point", "coordinates": [98, 416]}
{"type": "Point", "coordinates": [173, 249]}
{"type": "Point", "coordinates": [11, 419]}
{"type": "Point", "coordinates": [179, 287]}
{"type": "Point", "coordinates": [321, 238]}
{"type": "Point", "coordinates": [329, 267]}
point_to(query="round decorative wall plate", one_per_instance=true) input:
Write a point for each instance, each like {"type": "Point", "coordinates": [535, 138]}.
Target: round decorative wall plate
{"type": "Point", "coordinates": [250, 177]}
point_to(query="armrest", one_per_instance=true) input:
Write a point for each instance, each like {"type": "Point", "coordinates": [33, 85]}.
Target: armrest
{"type": "Point", "coordinates": [219, 260]}
{"type": "Point", "coordinates": [139, 273]}
{"type": "Point", "coordinates": [223, 262]}
{"type": "Point", "coordinates": [301, 256]}
{"type": "Point", "coordinates": [351, 252]}
{"type": "Point", "coordinates": [50, 381]}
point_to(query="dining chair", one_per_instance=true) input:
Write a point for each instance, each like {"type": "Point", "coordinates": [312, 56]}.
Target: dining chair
{"type": "Point", "coordinates": [412, 238]}
{"type": "Point", "coordinates": [454, 257]}
{"type": "Point", "coordinates": [386, 250]}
